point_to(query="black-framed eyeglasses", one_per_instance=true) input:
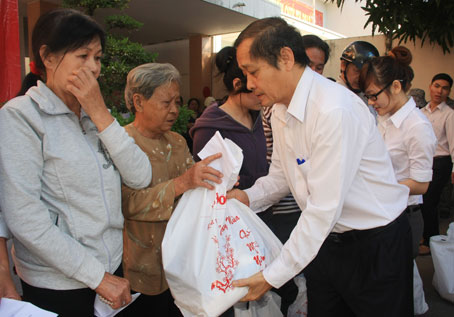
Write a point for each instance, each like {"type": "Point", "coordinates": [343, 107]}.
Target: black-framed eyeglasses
{"type": "Point", "coordinates": [374, 96]}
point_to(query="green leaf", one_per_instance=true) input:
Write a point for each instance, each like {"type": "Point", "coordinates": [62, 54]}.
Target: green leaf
{"type": "Point", "coordinates": [431, 20]}
{"type": "Point", "coordinates": [120, 54]}
{"type": "Point", "coordinates": [123, 22]}
{"type": "Point", "coordinates": [181, 124]}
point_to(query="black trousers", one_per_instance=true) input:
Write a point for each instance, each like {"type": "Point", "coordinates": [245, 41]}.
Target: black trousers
{"type": "Point", "coordinates": [414, 216]}
{"type": "Point", "coordinates": [161, 305]}
{"type": "Point", "coordinates": [283, 225]}
{"type": "Point", "coordinates": [363, 273]}
{"type": "Point", "coordinates": [442, 168]}
{"type": "Point", "coordinates": [66, 303]}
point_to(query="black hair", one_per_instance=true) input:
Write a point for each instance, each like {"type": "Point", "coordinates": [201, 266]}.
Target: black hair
{"type": "Point", "coordinates": [227, 64]}
{"type": "Point", "coordinates": [384, 70]}
{"type": "Point", "coordinates": [443, 76]}
{"type": "Point", "coordinates": [30, 80]}
{"type": "Point", "coordinates": [310, 40]}
{"type": "Point", "coordinates": [61, 30]}
{"type": "Point", "coordinates": [269, 36]}
{"type": "Point", "coordinates": [192, 99]}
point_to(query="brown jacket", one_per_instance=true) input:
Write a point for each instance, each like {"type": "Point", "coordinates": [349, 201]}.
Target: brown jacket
{"type": "Point", "coordinates": [148, 210]}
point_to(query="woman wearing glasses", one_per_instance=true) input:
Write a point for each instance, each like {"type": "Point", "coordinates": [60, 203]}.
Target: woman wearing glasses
{"type": "Point", "coordinates": [407, 133]}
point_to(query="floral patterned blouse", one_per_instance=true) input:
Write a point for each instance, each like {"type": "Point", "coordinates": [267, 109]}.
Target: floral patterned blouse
{"type": "Point", "coordinates": [148, 210]}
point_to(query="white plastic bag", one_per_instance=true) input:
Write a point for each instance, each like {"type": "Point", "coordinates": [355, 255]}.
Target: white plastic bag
{"type": "Point", "coordinates": [267, 306]}
{"type": "Point", "coordinates": [442, 249]}
{"type": "Point", "coordinates": [209, 241]}
{"type": "Point", "coordinates": [299, 306]}
{"type": "Point", "coordinates": [419, 300]}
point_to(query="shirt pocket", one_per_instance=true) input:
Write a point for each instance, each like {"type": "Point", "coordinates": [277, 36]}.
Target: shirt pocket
{"type": "Point", "coordinates": [301, 190]}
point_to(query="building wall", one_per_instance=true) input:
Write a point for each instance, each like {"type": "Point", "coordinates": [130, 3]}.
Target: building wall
{"type": "Point", "coordinates": [177, 54]}
{"type": "Point", "coordinates": [427, 61]}
{"type": "Point", "coordinates": [349, 21]}
{"type": "Point", "coordinates": [255, 8]}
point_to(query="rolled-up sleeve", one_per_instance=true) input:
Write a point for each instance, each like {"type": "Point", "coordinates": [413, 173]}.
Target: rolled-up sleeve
{"type": "Point", "coordinates": [421, 145]}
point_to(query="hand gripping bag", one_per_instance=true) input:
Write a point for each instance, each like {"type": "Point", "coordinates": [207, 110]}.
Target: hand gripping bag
{"type": "Point", "coordinates": [442, 249]}
{"type": "Point", "coordinates": [210, 241]}
{"type": "Point", "coordinates": [267, 306]}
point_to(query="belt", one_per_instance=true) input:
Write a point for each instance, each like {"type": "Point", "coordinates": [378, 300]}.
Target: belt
{"type": "Point", "coordinates": [412, 208]}
{"type": "Point", "coordinates": [442, 157]}
{"type": "Point", "coordinates": [356, 235]}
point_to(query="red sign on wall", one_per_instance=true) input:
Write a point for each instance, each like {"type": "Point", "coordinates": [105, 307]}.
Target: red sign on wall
{"type": "Point", "coordinates": [300, 11]}
{"type": "Point", "coordinates": [10, 69]}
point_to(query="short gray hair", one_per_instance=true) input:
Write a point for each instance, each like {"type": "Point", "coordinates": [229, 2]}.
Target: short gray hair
{"type": "Point", "coordinates": [144, 79]}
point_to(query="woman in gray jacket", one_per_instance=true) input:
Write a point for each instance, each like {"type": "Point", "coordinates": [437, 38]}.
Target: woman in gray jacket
{"type": "Point", "coordinates": [62, 160]}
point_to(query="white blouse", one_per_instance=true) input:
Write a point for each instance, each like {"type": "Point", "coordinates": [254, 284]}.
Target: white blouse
{"type": "Point", "coordinates": [411, 143]}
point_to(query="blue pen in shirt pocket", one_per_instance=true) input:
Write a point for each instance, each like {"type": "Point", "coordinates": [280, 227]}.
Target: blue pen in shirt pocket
{"type": "Point", "coordinates": [300, 161]}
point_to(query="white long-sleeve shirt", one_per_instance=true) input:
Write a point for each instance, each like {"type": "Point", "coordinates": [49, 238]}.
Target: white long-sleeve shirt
{"type": "Point", "coordinates": [411, 143]}
{"type": "Point", "coordinates": [329, 152]}
{"type": "Point", "coordinates": [442, 119]}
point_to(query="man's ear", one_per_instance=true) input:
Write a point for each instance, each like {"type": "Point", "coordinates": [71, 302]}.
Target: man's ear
{"type": "Point", "coordinates": [286, 58]}
{"type": "Point", "coordinates": [343, 65]}
{"type": "Point", "coordinates": [137, 100]}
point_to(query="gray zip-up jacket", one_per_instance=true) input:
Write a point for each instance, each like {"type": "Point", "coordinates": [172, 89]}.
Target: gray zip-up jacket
{"type": "Point", "coordinates": [4, 232]}
{"type": "Point", "coordinates": [60, 190]}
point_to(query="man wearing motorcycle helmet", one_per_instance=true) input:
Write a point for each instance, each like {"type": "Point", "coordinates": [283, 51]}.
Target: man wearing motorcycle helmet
{"type": "Point", "coordinates": [352, 60]}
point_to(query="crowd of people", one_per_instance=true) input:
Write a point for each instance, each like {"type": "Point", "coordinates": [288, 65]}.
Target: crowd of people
{"type": "Point", "coordinates": [348, 174]}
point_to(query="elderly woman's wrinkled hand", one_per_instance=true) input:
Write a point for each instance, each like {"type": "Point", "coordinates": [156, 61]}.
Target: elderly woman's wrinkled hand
{"type": "Point", "coordinates": [85, 87]}
{"type": "Point", "coordinates": [199, 175]}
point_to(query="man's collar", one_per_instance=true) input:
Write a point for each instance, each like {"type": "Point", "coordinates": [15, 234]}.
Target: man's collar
{"type": "Point", "coordinates": [440, 106]}
{"type": "Point", "coordinates": [297, 106]}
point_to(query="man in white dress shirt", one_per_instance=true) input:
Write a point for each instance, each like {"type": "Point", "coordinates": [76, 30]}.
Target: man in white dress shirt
{"type": "Point", "coordinates": [442, 118]}
{"type": "Point", "coordinates": [352, 239]}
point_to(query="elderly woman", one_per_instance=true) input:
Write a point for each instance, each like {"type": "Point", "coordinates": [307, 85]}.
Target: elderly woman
{"type": "Point", "coordinates": [62, 160]}
{"type": "Point", "coordinates": [153, 95]}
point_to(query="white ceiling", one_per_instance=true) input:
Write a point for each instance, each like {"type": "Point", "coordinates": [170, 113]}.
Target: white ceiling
{"type": "Point", "coordinates": [169, 20]}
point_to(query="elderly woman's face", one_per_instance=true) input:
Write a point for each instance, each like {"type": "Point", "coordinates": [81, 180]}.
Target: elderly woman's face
{"type": "Point", "coordinates": [160, 111]}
